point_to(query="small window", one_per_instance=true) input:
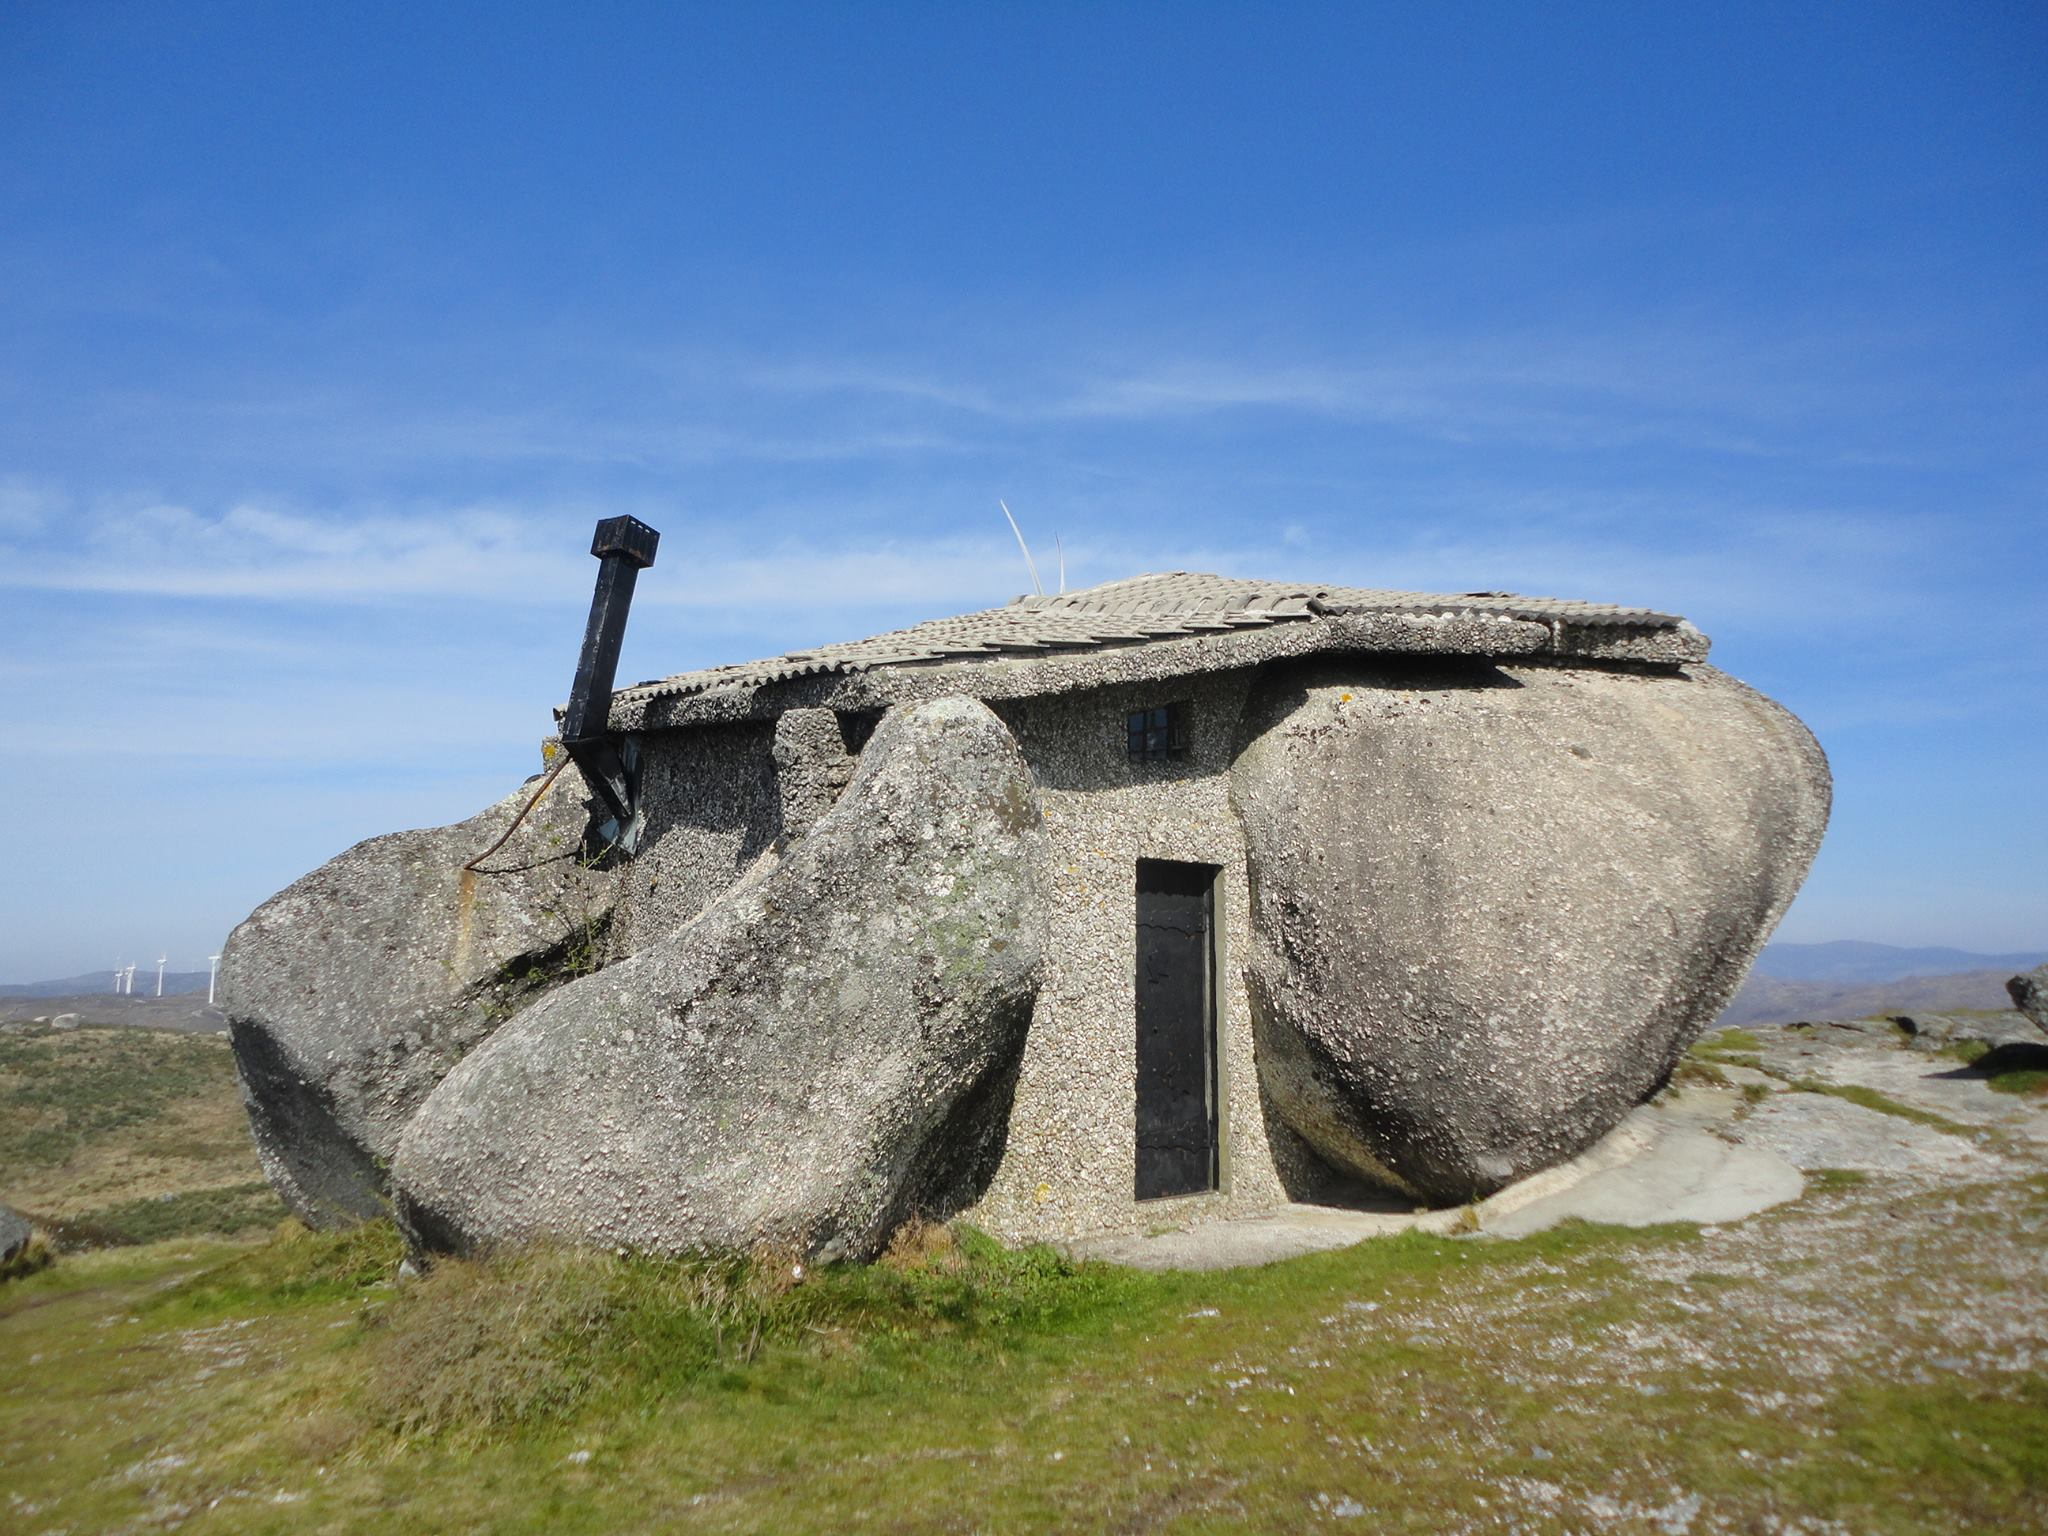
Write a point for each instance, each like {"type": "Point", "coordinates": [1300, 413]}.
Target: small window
{"type": "Point", "coordinates": [1154, 735]}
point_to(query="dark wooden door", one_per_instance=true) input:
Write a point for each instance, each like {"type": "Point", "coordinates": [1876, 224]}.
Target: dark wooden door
{"type": "Point", "coordinates": [1176, 1029]}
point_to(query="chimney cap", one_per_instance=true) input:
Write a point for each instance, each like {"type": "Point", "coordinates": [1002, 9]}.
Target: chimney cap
{"type": "Point", "coordinates": [626, 536]}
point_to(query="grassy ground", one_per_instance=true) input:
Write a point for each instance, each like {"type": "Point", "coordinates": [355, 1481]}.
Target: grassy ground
{"type": "Point", "coordinates": [1746, 1379]}
{"type": "Point", "coordinates": [1873, 1357]}
{"type": "Point", "coordinates": [127, 1135]}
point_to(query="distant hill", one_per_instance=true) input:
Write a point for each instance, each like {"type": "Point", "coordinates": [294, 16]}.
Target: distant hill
{"type": "Point", "coordinates": [1852, 960]}
{"type": "Point", "coordinates": [101, 983]}
{"type": "Point", "coordinates": [1769, 1000]}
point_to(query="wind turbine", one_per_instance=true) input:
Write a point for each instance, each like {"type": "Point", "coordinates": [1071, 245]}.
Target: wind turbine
{"type": "Point", "coordinates": [117, 978]}
{"type": "Point", "coordinates": [128, 978]}
{"type": "Point", "coordinates": [161, 960]}
{"type": "Point", "coordinates": [212, 970]}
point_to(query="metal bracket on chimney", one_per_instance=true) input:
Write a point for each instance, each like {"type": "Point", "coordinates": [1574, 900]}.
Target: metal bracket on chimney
{"type": "Point", "coordinates": [624, 547]}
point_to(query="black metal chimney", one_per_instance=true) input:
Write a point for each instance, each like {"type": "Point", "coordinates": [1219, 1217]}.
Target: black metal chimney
{"type": "Point", "coordinates": [624, 547]}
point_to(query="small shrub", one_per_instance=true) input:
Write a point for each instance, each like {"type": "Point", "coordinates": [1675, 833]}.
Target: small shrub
{"type": "Point", "coordinates": [921, 1244]}
{"type": "Point", "coordinates": [476, 1346]}
{"type": "Point", "coordinates": [486, 1343]}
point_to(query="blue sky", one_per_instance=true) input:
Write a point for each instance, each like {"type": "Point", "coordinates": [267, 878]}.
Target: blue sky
{"type": "Point", "coordinates": [326, 332]}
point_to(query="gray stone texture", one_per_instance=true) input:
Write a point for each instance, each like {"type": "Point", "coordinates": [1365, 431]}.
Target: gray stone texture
{"type": "Point", "coordinates": [1069, 1162]}
{"type": "Point", "coordinates": [1933, 1032]}
{"type": "Point", "coordinates": [351, 993]}
{"type": "Point", "coordinates": [827, 1046]}
{"type": "Point", "coordinates": [15, 1233]}
{"type": "Point", "coordinates": [1493, 904]}
{"type": "Point", "coordinates": [812, 766]}
{"type": "Point", "coordinates": [712, 804]}
{"type": "Point", "coordinates": [2029, 992]}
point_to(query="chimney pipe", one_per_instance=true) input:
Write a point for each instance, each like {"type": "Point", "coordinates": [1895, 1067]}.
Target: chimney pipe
{"type": "Point", "coordinates": [624, 546]}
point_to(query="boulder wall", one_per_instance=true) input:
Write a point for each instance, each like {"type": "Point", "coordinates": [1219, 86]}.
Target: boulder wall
{"type": "Point", "coordinates": [353, 991]}
{"type": "Point", "coordinates": [1492, 905]}
{"type": "Point", "coordinates": [824, 1048]}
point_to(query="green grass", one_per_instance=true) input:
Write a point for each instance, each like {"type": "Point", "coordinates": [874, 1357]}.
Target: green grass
{"type": "Point", "coordinates": [1693, 1071]}
{"type": "Point", "coordinates": [1732, 1040]}
{"type": "Point", "coordinates": [1884, 1104]}
{"type": "Point", "coordinates": [2031, 1081]}
{"type": "Point", "coordinates": [1724, 1048]}
{"type": "Point", "coordinates": [961, 1386]}
{"type": "Point", "coordinates": [60, 1090]}
{"type": "Point", "coordinates": [126, 1135]}
{"type": "Point", "coordinates": [226, 1211]}
{"type": "Point", "coordinates": [301, 1382]}
{"type": "Point", "coordinates": [2026, 1081]}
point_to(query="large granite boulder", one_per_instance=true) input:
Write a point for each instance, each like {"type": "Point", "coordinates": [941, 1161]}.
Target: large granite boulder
{"type": "Point", "coordinates": [1492, 905]}
{"type": "Point", "coordinates": [352, 992]}
{"type": "Point", "coordinates": [827, 1046]}
{"type": "Point", "coordinates": [2029, 992]}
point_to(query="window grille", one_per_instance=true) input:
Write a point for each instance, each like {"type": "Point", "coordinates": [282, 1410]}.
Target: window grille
{"type": "Point", "coordinates": [1157, 734]}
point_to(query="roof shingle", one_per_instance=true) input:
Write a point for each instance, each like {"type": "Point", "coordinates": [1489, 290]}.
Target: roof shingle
{"type": "Point", "coordinates": [1136, 611]}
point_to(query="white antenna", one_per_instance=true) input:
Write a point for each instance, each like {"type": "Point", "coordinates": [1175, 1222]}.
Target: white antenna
{"type": "Point", "coordinates": [1063, 561]}
{"type": "Point", "coordinates": [212, 970]}
{"type": "Point", "coordinates": [1029, 563]}
{"type": "Point", "coordinates": [160, 961]}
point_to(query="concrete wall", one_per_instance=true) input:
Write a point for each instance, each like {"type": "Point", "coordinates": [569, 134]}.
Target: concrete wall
{"type": "Point", "coordinates": [715, 805]}
{"type": "Point", "coordinates": [712, 808]}
{"type": "Point", "coordinates": [1069, 1162]}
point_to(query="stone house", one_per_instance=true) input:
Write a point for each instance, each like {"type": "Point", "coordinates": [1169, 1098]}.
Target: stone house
{"type": "Point", "coordinates": [1330, 888]}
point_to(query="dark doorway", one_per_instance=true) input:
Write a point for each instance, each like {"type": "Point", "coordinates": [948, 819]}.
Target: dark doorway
{"type": "Point", "coordinates": [1176, 1028]}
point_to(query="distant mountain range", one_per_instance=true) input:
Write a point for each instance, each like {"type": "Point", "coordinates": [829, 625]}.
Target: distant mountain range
{"type": "Point", "coordinates": [1851, 960]}
{"type": "Point", "coordinates": [1765, 999]}
{"type": "Point", "coordinates": [97, 983]}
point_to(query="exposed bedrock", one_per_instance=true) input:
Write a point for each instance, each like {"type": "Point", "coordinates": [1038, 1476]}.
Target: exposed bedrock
{"type": "Point", "coordinates": [826, 1047]}
{"type": "Point", "coordinates": [351, 993]}
{"type": "Point", "coordinates": [1492, 905]}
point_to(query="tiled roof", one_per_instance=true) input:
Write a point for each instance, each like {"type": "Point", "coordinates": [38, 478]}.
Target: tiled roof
{"type": "Point", "coordinates": [1135, 611]}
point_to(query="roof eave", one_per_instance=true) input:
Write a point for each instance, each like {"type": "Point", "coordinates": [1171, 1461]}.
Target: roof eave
{"type": "Point", "coordinates": [1655, 640]}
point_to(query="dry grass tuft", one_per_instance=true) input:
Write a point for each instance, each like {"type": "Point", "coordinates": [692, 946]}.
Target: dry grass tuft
{"type": "Point", "coordinates": [920, 1244]}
